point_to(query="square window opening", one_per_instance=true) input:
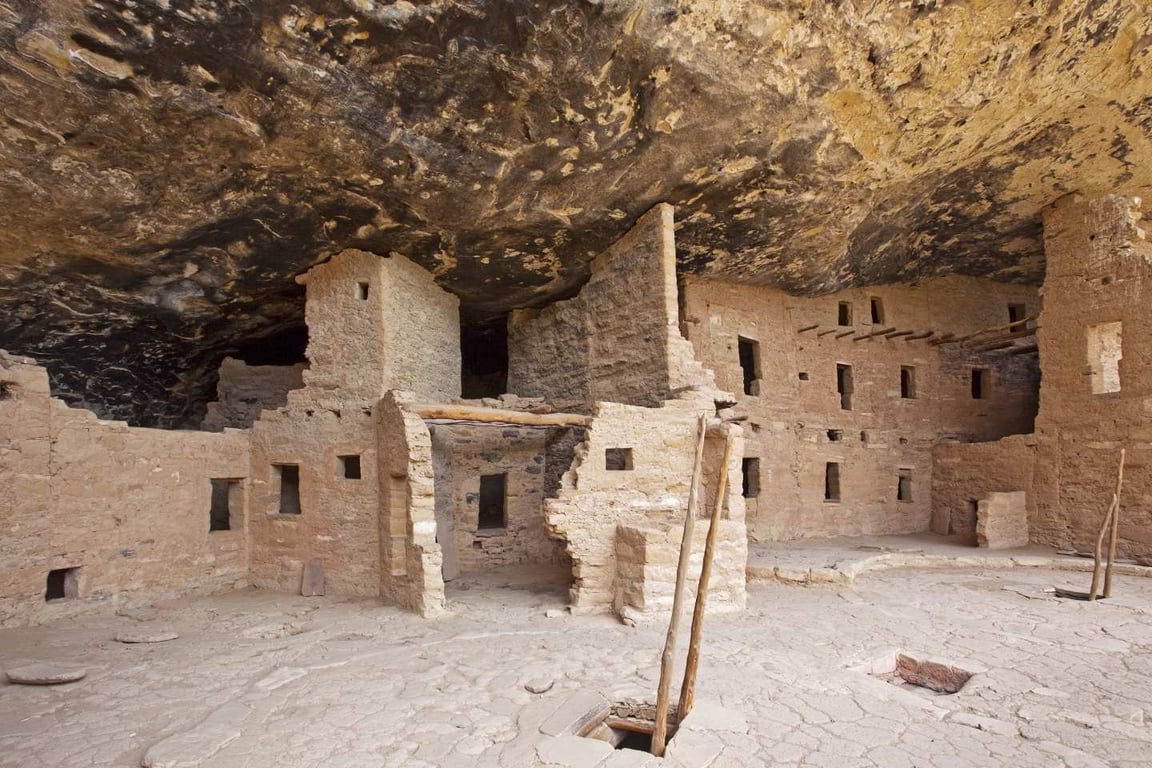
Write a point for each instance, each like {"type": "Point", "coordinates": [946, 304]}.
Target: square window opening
{"type": "Point", "coordinates": [832, 481]}
{"type": "Point", "coordinates": [227, 506]}
{"type": "Point", "coordinates": [803, 375]}
{"type": "Point", "coordinates": [904, 485]}
{"type": "Point", "coordinates": [362, 290]}
{"type": "Point", "coordinates": [907, 382]}
{"type": "Point", "coordinates": [751, 473]}
{"type": "Point", "coordinates": [289, 477]}
{"type": "Point", "coordinates": [877, 307]}
{"type": "Point", "coordinates": [979, 383]}
{"type": "Point", "coordinates": [62, 584]}
{"type": "Point", "coordinates": [835, 435]}
{"type": "Point", "coordinates": [844, 313]}
{"type": "Point", "coordinates": [844, 386]}
{"type": "Point", "coordinates": [617, 459]}
{"type": "Point", "coordinates": [493, 492]}
{"type": "Point", "coordinates": [749, 351]}
{"type": "Point", "coordinates": [350, 467]}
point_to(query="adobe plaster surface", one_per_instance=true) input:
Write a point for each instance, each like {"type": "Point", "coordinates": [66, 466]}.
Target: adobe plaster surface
{"type": "Point", "coordinates": [259, 680]}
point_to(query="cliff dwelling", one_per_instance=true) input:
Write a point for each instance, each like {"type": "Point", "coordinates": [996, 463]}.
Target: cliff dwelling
{"type": "Point", "coordinates": [393, 383]}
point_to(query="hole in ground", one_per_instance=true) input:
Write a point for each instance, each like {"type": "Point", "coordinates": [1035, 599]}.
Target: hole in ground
{"type": "Point", "coordinates": [629, 725]}
{"type": "Point", "coordinates": [939, 676]}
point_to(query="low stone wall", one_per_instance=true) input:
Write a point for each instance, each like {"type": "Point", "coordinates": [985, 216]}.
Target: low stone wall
{"type": "Point", "coordinates": [965, 473]}
{"type": "Point", "coordinates": [129, 509]}
{"type": "Point", "coordinates": [245, 390]}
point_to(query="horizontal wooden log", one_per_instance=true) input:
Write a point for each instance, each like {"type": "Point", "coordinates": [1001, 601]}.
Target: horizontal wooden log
{"type": "Point", "coordinates": [921, 336]}
{"type": "Point", "coordinates": [881, 332]}
{"type": "Point", "coordinates": [825, 333]}
{"type": "Point", "coordinates": [898, 334]}
{"type": "Point", "coordinates": [498, 416]}
{"type": "Point", "coordinates": [844, 333]}
{"type": "Point", "coordinates": [808, 328]}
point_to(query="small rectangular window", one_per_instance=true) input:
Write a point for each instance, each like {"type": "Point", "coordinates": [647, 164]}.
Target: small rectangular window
{"type": "Point", "coordinates": [877, 307]}
{"type": "Point", "coordinates": [844, 386]}
{"type": "Point", "coordinates": [617, 459]}
{"type": "Point", "coordinates": [907, 382]}
{"type": "Point", "coordinates": [803, 375]}
{"type": "Point", "coordinates": [289, 477]}
{"type": "Point", "coordinates": [832, 481]}
{"type": "Point", "coordinates": [350, 467]}
{"type": "Point", "coordinates": [1105, 351]}
{"type": "Point", "coordinates": [751, 471]}
{"type": "Point", "coordinates": [362, 290]}
{"type": "Point", "coordinates": [224, 511]}
{"type": "Point", "coordinates": [844, 313]}
{"type": "Point", "coordinates": [979, 383]}
{"type": "Point", "coordinates": [835, 435]}
{"type": "Point", "coordinates": [1017, 312]}
{"type": "Point", "coordinates": [493, 490]}
{"type": "Point", "coordinates": [62, 584]}
{"type": "Point", "coordinates": [749, 351]}
{"type": "Point", "coordinates": [904, 485]}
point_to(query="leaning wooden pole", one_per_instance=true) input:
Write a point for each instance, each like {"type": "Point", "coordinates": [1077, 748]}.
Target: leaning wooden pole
{"type": "Point", "coordinates": [688, 688]}
{"type": "Point", "coordinates": [660, 735]}
{"type": "Point", "coordinates": [1097, 552]}
{"type": "Point", "coordinates": [1115, 527]}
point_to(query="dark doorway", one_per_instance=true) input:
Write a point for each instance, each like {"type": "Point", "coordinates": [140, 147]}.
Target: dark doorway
{"type": "Point", "coordinates": [484, 357]}
{"type": "Point", "coordinates": [844, 386]}
{"type": "Point", "coordinates": [289, 488]}
{"type": "Point", "coordinates": [62, 584]}
{"type": "Point", "coordinates": [749, 350]}
{"type": "Point", "coordinates": [493, 491]}
{"type": "Point", "coordinates": [832, 481]}
{"type": "Point", "coordinates": [751, 468]}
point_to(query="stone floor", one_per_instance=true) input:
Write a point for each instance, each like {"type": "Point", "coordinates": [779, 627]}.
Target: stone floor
{"type": "Point", "coordinates": [270, 680]}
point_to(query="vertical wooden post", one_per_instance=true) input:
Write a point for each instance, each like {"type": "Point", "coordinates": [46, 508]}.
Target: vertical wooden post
{"type": "Point", "coordinates": [1097, 553]}
{"type": "Point", "coordinates": [1115, 528]}
{"type": "Point", "coordinates": [660, 734]}
{"type": "Point", "coordinates": [688, 688]}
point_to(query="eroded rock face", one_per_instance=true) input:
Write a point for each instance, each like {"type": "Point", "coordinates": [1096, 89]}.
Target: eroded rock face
{"type": "Point", "coordinates": [169, 165]}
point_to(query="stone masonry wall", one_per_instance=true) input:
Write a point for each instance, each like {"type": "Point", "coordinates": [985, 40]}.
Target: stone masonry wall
{"type": "Point", "coordinates": [1099, 271]}
{"type": "Point", "coordinates": [128, 507]}
{"type": "Point", "coordinates": [612, 341]}
{"type": "Point", "coordinates": [376, 324]}
{"type": "Point", "coordinates": [595, 500]}
{"type": "Point", "coordinates": [796, 424]}
{"type": "Point", "coordinates": [245, 390]}
{"type": "Point", "coordinates": [471, 451]}
{"type": "Point", "coordinates": [963, 474]}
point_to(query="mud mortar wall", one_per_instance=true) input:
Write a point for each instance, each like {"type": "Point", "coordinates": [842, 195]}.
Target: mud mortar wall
{"type": "Point", "coordinates": [611, 342]}
{"type": "Point", "coordinates": [129, 507]}
{"type": "Point", "coordinates": [245, 390]}
{"type": "Point", "coordinates": [471, 451]}
{"type": "Point", "coordinates": [795, 402]}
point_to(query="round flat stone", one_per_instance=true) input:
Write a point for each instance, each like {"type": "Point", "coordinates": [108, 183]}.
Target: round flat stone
{"type": "Point", "coordinates": [45, 674]}
{"type": "Point", "coordinates": [146, 637]}
{"type": "Point", "coordinates": [539, 685]}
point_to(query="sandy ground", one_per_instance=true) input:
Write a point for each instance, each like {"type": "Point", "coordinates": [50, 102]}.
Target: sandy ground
{"type": "Point", "coordinates": [258, 679]}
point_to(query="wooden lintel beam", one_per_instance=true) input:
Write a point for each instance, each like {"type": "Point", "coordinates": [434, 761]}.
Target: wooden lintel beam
{"type": "Point", "coordinates": [498, 416]}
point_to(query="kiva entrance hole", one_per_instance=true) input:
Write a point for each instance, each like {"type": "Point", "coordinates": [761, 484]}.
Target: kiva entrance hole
{"type": "Point", "coordinates": [628, 725]}
{"type": "Point", "coordinates": [935, 675]}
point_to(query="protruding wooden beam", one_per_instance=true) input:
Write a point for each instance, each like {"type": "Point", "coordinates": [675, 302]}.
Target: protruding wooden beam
{"type": "Point", "coordinates": [881, 332]}
{"type": "Point", "coordinates": [921, 336]}
{"type": "Point", "coordinates": [1031, 349]}
{"type": "Point", "coordinates": [845, 333]}
{"type": "Point", "coordinates": [898, 334]}
{"type": "Point", "coordinates": [825, 333]}
{"type": "Point", "coordinates": [807, 328]}
{"type": "Point", "coordinates": [449, 412]}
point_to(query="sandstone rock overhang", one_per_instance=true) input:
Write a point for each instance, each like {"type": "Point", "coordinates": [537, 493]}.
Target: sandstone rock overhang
{"type": "Point", "coordinates": [170, 167]}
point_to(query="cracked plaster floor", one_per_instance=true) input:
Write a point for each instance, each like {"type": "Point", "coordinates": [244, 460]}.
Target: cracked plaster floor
{"type": "Point", "coordinates": [258, 679]}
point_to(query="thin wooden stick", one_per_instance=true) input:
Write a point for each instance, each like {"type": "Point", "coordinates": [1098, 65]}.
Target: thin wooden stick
{"type": "Point", "coordinates": [660, 734]}
{"type": "Point", "coordinates": [1098, 551]}
{"type": "Point", "coordinates": [688, 688]}
{"type": "Point", "coordinates": [1115, 527]}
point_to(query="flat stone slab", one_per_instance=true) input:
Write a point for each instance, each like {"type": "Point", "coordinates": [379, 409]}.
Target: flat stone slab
{"type": "Point", "coordinates": [578, 711]}
{"type": "Point", "coordinates": [145, 637]}
{"type": "Point", "coordinates": [312, 579]}
{"type": "Point", "coordinates": [573, 751]}
{"type": "Point", "coordinates": [539, 685]}
{"type": "Point", "coordinates": [45, 674]}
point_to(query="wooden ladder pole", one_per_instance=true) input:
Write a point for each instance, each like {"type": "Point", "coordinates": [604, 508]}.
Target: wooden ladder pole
{"type": "Point", "coordinates": [1097, 552]}
{"type": "Point", "coordinates": [688, 687]}
{"type": "Point", "coordinates": [660, 734]}
{"type": "Point", "coordinates": [1115, 527]}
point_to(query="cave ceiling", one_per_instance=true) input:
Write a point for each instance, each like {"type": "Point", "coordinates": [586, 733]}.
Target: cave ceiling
{"type": "Point", "coordinates": [170, 165]}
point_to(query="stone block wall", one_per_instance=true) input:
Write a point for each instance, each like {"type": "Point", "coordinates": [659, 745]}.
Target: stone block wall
{"type": "Point", "coordinates": [376, 324]}
{"type": "Point", "coordinates": [128, 507]}
{"type": "Point", "coordinates": [963, 474]}
{"type": "Point", "coordinates": [646, 561]}
{"type": "Point", "coordinates": [594, 500]}
{"type": "Point", "coordinates": [245, 390]}
{"type": "Point", "coordinates": [1002, 521]}
{"type": "Point", "coordinates": [613, 341]}
{"type": "Point", "coordinates": [796, 425]}
{"type": "Point", "coordinates": [463, 453]}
